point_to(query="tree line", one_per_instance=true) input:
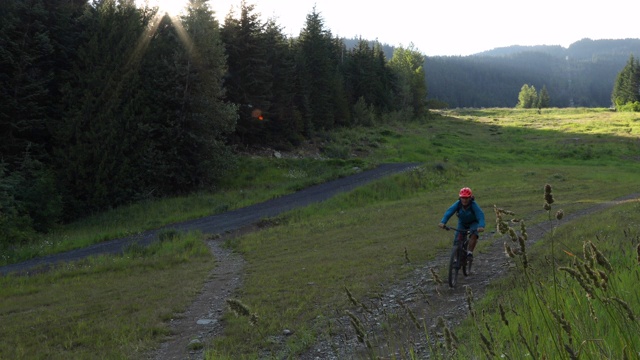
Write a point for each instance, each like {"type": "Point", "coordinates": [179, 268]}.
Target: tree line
{"type": "Point", "coordinates": [581, 75]}
{"type": "Point", "coordinates": [105, 103]}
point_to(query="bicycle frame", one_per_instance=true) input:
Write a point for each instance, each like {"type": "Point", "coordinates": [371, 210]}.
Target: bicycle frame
{"type": "Point", "coordinates": [459, 259]}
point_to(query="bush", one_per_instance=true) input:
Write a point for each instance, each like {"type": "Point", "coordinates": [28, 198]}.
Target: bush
{"type": "Point", "coordinates": [630, 107]}
{"type": "Point", "coordinates": [29, 201]}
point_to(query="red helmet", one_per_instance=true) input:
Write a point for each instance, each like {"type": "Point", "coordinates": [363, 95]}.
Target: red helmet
{"type": "Point", "coordinates": [465, 192]}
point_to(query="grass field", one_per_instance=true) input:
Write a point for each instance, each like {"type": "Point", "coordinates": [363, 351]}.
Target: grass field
{"type": "Point", "coordinates": [359, 240]}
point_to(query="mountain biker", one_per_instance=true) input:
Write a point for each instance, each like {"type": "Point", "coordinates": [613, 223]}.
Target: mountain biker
{"type": "Point", "coordinates": [470, 218]}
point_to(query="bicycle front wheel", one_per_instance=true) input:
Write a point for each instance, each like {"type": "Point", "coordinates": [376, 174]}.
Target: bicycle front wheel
{"type": "Point", "coordinates": [466, 268]}
{"type": "Point", "coordinates": [454, 267]}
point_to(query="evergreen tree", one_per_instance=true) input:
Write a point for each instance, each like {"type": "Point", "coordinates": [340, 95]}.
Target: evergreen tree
{"type": "Point", "coordinates": [97, 134]}
{"type": "Point", "coordinates": [367, 76]}
{"type": "Point", "coordinates": [284, 121]}
{"type": "Point", "coordinates": [316, 73]}
{"type": "Point", "coordinates": [205, 120]}
{"type": "Point", "coordinates": [543, 98]}
{"type": "Point", "coordinates": [26, 73]}
{"type": "Point", "coordinates": [249, 80]}
{"type": "Point", "coordinates": [627, 85]}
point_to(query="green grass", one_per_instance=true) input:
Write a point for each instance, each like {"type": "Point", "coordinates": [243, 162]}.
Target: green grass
{"type": "Point", "coordinates": [110, 307]}
{"type": "Point", "coordinates": [257, 180]}
{"type": "Point", "coordinates": [598, 320]}
{"type": "Point", "coordinates": [297, 270]}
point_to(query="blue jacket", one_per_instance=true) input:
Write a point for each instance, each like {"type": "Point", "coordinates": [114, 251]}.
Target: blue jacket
{"type": "Point", "coordinates": [466, 217]}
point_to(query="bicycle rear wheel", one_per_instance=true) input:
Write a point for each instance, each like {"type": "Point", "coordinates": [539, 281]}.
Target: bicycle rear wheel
{"type": "Point", "coordinates": [454, 267]}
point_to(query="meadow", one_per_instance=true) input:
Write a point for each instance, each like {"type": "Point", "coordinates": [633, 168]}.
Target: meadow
{"type": "Point", "coordinates": [298, 268]}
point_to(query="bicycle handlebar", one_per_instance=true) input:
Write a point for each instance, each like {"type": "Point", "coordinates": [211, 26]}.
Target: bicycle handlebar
{"type": "Point", "coordinates": [450, 228]}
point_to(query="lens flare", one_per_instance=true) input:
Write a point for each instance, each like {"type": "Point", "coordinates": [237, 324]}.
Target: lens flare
{"type": "Point", "coordinates": [257, 113]}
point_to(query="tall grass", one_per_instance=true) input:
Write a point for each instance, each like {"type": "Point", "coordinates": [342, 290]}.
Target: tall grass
{"type": "Point", "coordinates": [573, 294]}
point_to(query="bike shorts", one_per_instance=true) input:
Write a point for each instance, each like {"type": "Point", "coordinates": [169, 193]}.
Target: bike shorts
{"type": "Point", "coordinates": [461, 232]}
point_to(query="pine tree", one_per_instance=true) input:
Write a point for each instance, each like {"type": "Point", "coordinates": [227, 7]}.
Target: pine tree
{"type": "Point", "coordinates": [249, 81]}
{"type": "Point", "coordinates": [626, 89]}
{"type": "Point", "coordinates": [205, 120]}
{"type": "Point", "coordinates": [543, 98]}
{"type": "Point", "coordinates": [96, 139]}
{"type": "Point", "coordinates": [316, 73]}
{"type": "Point", "coordinates": [26, 74]}
{"type": "Point", "coordinates": [284, 122]}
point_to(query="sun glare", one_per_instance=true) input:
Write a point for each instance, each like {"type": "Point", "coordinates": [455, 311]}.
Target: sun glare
{"type": "Point", "coordinates": [171, 7]}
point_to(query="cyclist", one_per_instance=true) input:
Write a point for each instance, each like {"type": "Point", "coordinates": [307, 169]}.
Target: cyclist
{"type": "Point", "coordinates": [470, 218]}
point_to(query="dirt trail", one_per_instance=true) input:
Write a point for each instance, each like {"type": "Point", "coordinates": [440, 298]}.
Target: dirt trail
{"type": "Point", "coordinates": [427, 301]}
{"type": "Point", "coordinates": [201, 321]}
{"type": "Point", "coordinates": [418, 293]}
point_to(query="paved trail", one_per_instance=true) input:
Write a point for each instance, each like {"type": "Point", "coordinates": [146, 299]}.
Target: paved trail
{"type": "Point", "coordinates": [220, 223]}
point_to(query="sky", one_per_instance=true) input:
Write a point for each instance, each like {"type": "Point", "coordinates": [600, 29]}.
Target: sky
{"type": "Point", "coordinates": [455, 27]}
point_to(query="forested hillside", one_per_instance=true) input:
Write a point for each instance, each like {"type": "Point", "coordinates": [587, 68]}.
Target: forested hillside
{"type": "Point", "coordinates": [581, 75]}
{"type": "Point", "coordinates": [104, 103]}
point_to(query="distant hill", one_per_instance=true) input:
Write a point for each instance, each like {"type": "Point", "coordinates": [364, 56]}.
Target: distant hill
{"type": "Point", "coordinates": [581, 75]}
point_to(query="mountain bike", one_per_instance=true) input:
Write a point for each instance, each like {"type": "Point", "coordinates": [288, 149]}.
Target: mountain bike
{"type": "Point", "coordinates": [459, 259]}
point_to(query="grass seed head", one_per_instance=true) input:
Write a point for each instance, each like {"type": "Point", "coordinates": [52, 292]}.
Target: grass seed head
{"type": "Point", "coordinates": [588, 254]}
{"type": "Point", "coordinates": [523, 230]}
{"type": "Point", "coordinates": [508, 251]}
{"type": "Point", "coordinates": [600, 258]}
{"type": "Point", "coordinates": [238, 308]}
{"type": "Point", "coordinates": [435, 276]}
{"type": "Point", "coordinates": [626, 307]}
{"type": "Point", "coordinates": [548, 196]}
{"type": "Point", "coordinates": [469, 298]}
{"type": "Point", "coordinates": [503, 315]}
{"type": "Point", "coordinates": [522, 244]}
{"type": "Point", "coordinates": [406, 256]}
